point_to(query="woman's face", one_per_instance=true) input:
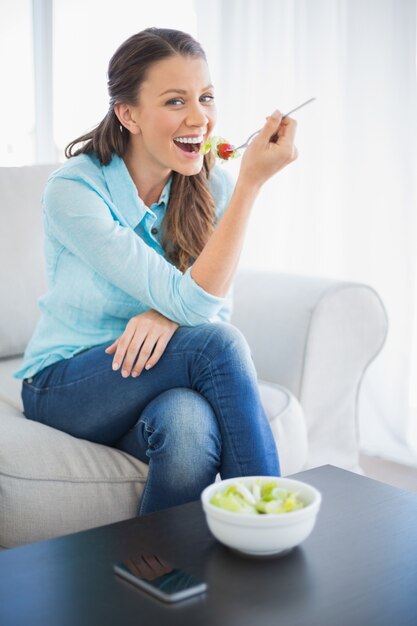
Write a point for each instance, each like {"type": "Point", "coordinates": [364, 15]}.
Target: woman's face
{"type": "Point", "coordinates": [176, 103]}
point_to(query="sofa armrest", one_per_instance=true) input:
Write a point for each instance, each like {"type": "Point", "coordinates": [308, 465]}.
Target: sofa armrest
{"type": "Point", "coordinates": [316, 337]}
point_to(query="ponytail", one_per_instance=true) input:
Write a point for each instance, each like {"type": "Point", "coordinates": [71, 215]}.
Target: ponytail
{"type": "Point", "coordinates": [106, 139]}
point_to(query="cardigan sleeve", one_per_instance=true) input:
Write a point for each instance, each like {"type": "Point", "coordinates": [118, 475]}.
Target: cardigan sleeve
{"type": "Point", "coordinates": [81, 221]}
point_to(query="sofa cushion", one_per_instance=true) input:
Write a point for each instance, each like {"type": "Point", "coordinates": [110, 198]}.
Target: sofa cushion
{"type": "Point", "coordinates": [53, 484]}
{"type": "Point", "coordinates": [21, 189]}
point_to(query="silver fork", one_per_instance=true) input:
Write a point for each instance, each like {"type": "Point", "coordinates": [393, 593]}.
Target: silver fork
{"type": "Point", "coordinates": [245, 145]}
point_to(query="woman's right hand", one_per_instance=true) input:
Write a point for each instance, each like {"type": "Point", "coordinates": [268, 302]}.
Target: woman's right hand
{"type": "Point", "coordinates": [142, 343]}
{"type": "Point", "coordinates": [263, 158]}
{"type": "Point", "coordinates": [215, 267]}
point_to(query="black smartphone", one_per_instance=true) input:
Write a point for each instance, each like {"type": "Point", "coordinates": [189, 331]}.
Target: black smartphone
{"type": "Point", "coordinates": [155, 576]}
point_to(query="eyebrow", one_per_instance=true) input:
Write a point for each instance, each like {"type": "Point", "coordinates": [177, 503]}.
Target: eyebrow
{"type": "Point", "coordinates": [182, 91]}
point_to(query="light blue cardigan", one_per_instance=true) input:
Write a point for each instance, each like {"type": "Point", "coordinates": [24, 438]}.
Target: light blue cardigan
{"type": "Point", "coordinates": [105, 263]}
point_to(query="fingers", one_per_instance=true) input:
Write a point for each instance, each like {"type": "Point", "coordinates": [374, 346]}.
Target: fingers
{"type": "Point", "coordinates": [142, 344]}
{"type": "Point", "coordinates": [284, 140]}
{"type": "Point", "coordinates": [271, 126]}
{"type": "Point", "coordinates": [150, 353]}
{"type": "Point", "coordinates": [288, 129]}
{"type": "Point", "coordinates": [270, 151]}
{"type": "Point", "coordinates": [280, 131]}
{"type": "Point", "coordinates": [146, 350]}
{"type": "Point", "coordinates": [112, 348]}
{"type": "Point", "coordinates": [158, 351]}
{"type": "Point", "coordinates": [122, 346]}
{"type": "Point", "coordinates": [143, 351]}
{"type": "Point", "coordinates": [136, 340]}
{"type": "Point", "coordinates": [139, 344]}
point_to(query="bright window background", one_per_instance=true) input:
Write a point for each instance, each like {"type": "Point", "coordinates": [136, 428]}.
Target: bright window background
{"type": "Point", "coordinates": [347, 208]}
{"type": "Point", "coordinates": [17, 103]}
{"type": "Point", "coordinates": [86, 34]}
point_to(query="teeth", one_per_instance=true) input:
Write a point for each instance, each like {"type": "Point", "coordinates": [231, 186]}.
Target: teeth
{"type": "Point", "coordinates": [189, 139]}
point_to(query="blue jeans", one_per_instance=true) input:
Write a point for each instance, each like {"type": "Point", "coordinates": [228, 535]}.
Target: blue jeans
{"type": "Point", "coordinates": [196, 413]}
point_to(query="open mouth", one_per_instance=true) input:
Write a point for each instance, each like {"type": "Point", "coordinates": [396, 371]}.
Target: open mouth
{"type": "Point", "coordinates": [188, 146]}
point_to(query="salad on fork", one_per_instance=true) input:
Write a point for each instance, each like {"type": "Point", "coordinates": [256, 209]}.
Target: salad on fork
{"type": "Point", "coordinates": [224, 150]}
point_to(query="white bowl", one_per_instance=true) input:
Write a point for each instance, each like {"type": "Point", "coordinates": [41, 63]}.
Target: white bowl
{"type": "Point", "coordinates": [262, 535]}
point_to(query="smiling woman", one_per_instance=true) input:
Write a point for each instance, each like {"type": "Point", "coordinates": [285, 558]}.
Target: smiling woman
{"type": "Point", "coordinates": [143, 235]}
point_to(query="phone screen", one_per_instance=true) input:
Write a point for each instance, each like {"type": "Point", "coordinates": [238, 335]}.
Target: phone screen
{"type": "Point", "coordinates": [151, 573]}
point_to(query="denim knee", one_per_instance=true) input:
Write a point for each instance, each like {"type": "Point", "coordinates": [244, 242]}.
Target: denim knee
{"type": "Point", "coordinates": [221, 338]}
{"type": "Point", "coordinates": [181, 423]}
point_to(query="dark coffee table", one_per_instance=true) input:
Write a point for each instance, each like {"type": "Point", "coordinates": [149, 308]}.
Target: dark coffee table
{"type": "Point", "coordinates": [357, 568]}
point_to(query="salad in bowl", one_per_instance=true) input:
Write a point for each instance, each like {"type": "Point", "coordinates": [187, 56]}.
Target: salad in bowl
{"type": "Point", "coordinates": [261, 515]}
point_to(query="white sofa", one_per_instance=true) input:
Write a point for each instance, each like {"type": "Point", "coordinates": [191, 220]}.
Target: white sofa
{"type": "Point", "coordinates": [312, 341]}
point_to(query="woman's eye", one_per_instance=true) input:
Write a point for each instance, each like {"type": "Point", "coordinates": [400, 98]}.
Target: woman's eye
{"type": "Point", "coordinates": [174, 101]}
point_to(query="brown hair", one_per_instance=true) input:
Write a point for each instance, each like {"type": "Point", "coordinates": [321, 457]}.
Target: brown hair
{"type": "Point", "coordinates": [191, 214]}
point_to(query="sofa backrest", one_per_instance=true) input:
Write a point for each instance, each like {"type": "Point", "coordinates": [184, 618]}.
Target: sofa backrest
{"type": "Point", "coordinates": [22, 274]}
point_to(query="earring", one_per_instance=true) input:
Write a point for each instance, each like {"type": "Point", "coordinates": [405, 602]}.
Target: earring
{"type": "Point", "coordinates": [121, 128]}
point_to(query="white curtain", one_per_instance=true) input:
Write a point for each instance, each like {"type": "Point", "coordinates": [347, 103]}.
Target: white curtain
{"type": "Point", "coordinates": [346, 208]}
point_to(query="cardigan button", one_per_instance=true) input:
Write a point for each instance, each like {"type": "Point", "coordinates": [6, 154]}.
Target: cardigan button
{"type": "Point", "coordinates": [154, 230]}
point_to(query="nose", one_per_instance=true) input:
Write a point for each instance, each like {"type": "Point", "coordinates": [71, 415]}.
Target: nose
{"type": "Point", "coordinates": [197, 115]}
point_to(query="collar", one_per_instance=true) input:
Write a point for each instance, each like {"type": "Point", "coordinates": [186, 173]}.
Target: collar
{"type": "Point", "coordinates": [164, 197]}
{"type": "Point", "coordinates": [124, 194]}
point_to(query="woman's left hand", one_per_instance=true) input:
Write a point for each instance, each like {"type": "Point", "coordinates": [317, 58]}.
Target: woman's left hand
{"type": "Point", "coordinates": [143, 342]}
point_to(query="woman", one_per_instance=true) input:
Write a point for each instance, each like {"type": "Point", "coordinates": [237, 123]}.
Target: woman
{"type": "Point", "coordinates": [133, 349]}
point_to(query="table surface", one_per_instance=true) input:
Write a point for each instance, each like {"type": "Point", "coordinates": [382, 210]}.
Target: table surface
{"type": "Point", "coordinates": [357, 568]}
